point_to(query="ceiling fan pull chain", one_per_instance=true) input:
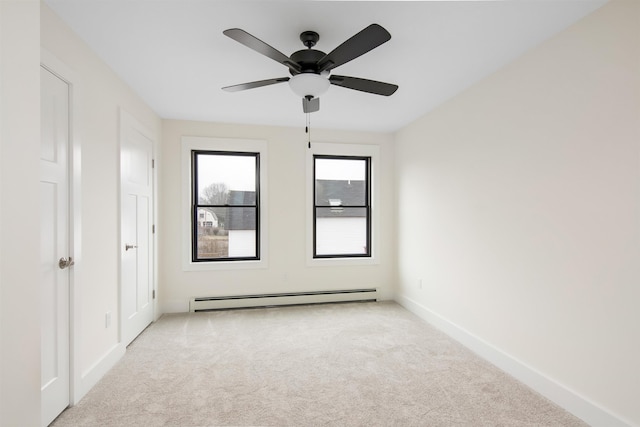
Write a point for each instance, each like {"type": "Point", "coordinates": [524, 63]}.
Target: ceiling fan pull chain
{"type": "Point", "coordinates": [306, 127]}
{"type": "Point", "coordinates": [309, 128]}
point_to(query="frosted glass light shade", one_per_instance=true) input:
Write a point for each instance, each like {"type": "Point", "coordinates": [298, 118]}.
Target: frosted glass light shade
{"type": "Point", "coordinates": [309, 84]}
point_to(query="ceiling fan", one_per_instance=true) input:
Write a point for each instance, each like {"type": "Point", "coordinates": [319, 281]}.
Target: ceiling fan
{"type": "Point", "coordinates": [310, 69]}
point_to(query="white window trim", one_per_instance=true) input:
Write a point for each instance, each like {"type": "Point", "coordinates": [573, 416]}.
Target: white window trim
{"type": "Point", "coordinates": [338, 149]}
{"type": "Point", "coordinates": [190, 143]}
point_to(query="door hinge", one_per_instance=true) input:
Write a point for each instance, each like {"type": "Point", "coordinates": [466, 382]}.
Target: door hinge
{"type": "Point", "coordinates": [153, 229]}
{"type": "Point", "coordinates": [153, 163]}
{"type": "Point", "coordinates": [153, 294]}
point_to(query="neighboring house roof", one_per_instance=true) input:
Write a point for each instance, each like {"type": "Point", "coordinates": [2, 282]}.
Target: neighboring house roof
{"type": "Point", "coordinates": [334, 194]}
{"type": "Point", "coordinates": [337, 193]}
{"type": "Point", "coordinates": [242, 218]}
{"type": "Point", "coordinates": [242, 197]}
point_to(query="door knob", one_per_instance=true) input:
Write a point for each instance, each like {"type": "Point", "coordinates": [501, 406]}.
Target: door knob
{"type": "Point", "coordinates": [65, 263]}
{"type": "Point", "coordinates": [128, 246]}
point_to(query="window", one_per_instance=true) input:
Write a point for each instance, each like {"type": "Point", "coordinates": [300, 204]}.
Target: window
{"type": "Point", "coordinates": [225, 206]}
{"type": "Point", "coordinates": [363, 247]}
{"type": "Point", "coordinates": [341, 206]}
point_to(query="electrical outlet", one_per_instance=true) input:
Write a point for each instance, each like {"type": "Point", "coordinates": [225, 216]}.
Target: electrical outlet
{"type": "Point", "coordinates": [107, 319]}
{"type": "Point", "coordinates": [419, 283]}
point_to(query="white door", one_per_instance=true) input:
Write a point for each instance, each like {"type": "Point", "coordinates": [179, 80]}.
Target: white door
{"type": "Point", "coordinates": [55, 257]}
{"type": "Point", "coordinates": [136, 280]}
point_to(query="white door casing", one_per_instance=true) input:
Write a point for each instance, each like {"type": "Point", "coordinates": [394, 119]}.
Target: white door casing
{"type": "Point", "coordinates": [55, 253]}
{"type": "Point", "coordinates": [136, 221]}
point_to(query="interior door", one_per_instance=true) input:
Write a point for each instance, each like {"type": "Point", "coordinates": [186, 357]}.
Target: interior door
{"type": "Point", "coordinates": [55, 257]}
{"type": "Point", "coordinates": [136, 170]}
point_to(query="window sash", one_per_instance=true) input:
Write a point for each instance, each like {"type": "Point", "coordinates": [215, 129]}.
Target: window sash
{"type": "Point", "coordinates": [335, 210]}
{"type": "Point", "coordinates": [196, 207]}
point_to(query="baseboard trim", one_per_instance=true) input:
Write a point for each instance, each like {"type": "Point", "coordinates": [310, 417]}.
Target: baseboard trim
{"type": "Point", "coordinates": [95, 372]}
{"type": "Point", "coordinates": [573, 402]}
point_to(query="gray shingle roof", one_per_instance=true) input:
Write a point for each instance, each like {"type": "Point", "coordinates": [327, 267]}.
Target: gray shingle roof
{"type": "Point", "coordinates": [336, 193]}
{"type": "Point", "coordinates": [243, 218]}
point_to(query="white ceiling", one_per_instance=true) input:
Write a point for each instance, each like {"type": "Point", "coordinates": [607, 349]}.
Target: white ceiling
{"type": "Point", "coordinates": [174, 55]}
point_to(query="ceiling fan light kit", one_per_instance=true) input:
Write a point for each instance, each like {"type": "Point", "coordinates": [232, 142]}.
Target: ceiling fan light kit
{"type": "Point", "coordinates": [309, 84]}
{"type": "Point", "coordinates": [310, 69]}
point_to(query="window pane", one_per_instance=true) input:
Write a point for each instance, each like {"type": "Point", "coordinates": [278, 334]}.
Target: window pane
{"type": "Point", "coordinates": [341, 231]}
{"type": "Point", "coordinates": [340, 182]}
{"type": "Point", "coordinates": [226, 232]}
{"type": "Point", "coordinates": [226, 179]}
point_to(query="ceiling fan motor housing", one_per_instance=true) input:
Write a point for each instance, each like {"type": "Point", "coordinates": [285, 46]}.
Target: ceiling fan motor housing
{"type": "Point", "coordinates": [309, 83]}
{"type": "Point", "coordinates": [308, 60]}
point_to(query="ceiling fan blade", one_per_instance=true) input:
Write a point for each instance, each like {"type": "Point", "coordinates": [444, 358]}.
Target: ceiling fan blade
{"type": "Point", "coordinates": [364, 85]}
{"type": "Point", "coordinates": [310, 105]}
{"type": "Point", "coordinates": [252, 85]}
{"type": "Point", "coordinates": [259, 46]}
{"type": "Point", "coordinates": [369, 38]}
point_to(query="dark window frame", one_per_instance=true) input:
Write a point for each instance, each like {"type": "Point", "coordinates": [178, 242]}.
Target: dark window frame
{"type": "Point", "coordinates": [366, 206]}
{"type": "Point", "coordinates": [195, 205]}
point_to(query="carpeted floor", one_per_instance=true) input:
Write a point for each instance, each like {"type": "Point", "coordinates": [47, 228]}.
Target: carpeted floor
{"type": "Point", "coordinates": [356, 364]}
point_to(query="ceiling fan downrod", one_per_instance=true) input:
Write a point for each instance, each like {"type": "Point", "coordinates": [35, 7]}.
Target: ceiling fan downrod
{"type": "Point", "coordinates": [309, 38]}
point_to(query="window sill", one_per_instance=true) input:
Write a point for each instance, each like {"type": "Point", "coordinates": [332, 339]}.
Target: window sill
{"type": "Point", "coordinates": [333, 262]}
{"type": "Point", "coordinates": [224, 265]}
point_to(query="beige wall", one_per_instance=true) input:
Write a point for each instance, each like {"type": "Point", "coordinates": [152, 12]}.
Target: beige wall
{"type": "Point", "coordinates": [100, 96]}
{"type": "Point", "coordinates": [518, 208]}
{"type": "Point", "coordinates": [287, 269]}
{"type": "Point", "coordinates": [19, 245]}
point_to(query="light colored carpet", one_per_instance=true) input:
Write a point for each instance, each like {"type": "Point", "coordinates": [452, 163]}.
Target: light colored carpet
{"type": "Point", "coordinates": [356, 364]}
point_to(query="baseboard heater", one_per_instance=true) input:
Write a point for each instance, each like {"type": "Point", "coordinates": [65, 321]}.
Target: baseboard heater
{"type": "Point", "coordinates": [294, 298]}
